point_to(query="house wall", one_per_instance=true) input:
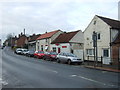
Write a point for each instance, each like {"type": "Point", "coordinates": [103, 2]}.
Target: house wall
{"type": "Point", "coordinates": [78, 38]}
{"type": "Point", "coordinates": [47, 42]}
{"type": "Point", "coordinates": [21, 41]}
{"type": "Point", "coordinates": [116, 54]}
{"type": "Point", "coordinates": [103, 43]}
{"type": "Point", "coordinates": [67, 47]}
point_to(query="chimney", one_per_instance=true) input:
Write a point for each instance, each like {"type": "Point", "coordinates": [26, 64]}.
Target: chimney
{"type": "Point", "coordinates": [19, 35]}
{"type": "Point", "coordinates": [24, 31]}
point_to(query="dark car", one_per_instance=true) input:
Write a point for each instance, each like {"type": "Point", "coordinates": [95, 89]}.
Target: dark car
{"type": "Point", "coordinates": [30, 53]}
{"type": "Point", "coordinates": [39, 54]}
{"type": "Point", "coordinates": [50, 56]}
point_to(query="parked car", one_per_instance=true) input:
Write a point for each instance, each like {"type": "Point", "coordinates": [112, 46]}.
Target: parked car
{"type": "Point", "coordinates": [50, 56]}
{"type": "Point", "coordinates": [68, 58]}
{"type": "Point", "coordinates": [39, 54]}
{"type": "Point", "coordinates": [18, 51]}
{"type": "Point", "coordinates": [30, 53]}
{"type": "Point", "coordinates": [24, 51]}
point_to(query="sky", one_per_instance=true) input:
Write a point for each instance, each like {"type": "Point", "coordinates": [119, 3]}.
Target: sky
{"type": "Point", "coordinates": [39, 16]}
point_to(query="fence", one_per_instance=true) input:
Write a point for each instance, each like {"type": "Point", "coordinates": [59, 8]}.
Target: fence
{"type": "Point", "coordinates": [114, 63]}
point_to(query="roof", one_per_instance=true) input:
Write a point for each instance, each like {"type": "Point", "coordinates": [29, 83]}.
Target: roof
{"type": "Point", "coordinates": [111, 22]}
{"type": "Point", "coordinates": [47, 35]}
{"type": "Point", "coordinates": [33, 37]}
{"type": "Point", "coordinates": [117, 40]}
{"type": "Point", "coordinates": [65, 37]}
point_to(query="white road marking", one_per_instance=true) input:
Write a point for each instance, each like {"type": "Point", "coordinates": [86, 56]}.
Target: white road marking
{"type": "Point", "coordinates": [73, 75]}
{"type": "Point", "coordinates": [55, 71]}
{"type": "Point", "coordinates": [94, 81]}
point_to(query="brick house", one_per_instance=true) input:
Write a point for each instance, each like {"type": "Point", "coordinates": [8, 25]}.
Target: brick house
{"type": "Point", "coordinates": [43, 42]}
{"type": "Point", "coordinates": [22, 41]}
{"type": "Point", "coordinates": [116, 50]}
{"type": "Point", "coordinates": [32, 42]}
{"type": "Point", "coordinates": [71, 42]}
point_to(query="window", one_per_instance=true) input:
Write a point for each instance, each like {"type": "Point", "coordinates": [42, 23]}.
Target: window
{"type": "Point", "coordinates": [90, 52]}
{"type": "Point", "coordinates": [105, 53]}
{"type": "Point", "coordinates": [94, 22]}
{"type": "Point", "coordinates": [54, 49]}
{"type": "Point", "coordinates": [41, 47]}
{"type": "Point", "coordinates": [98, 36]}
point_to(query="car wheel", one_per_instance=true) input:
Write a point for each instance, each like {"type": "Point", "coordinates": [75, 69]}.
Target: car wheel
{"type": "Point", "coordinates": [58, 60]}
{"type": "Point", "coordinates": [37, 57]}
{"type": "Point", "coordinates": [44, 58]}
{"type": "Point", "coordinates": [69, 62]}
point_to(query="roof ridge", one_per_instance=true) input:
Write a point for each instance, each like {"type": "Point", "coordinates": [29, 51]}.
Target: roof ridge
{"type": "Point", "coordinates": [108, 18]}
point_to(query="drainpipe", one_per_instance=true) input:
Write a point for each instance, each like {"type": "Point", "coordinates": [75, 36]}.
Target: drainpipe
{"type": "Point", "coordinates": [110, 44]}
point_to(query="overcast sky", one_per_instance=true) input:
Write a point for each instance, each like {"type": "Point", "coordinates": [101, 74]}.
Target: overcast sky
{"type": "Point", "coordinates": [39, 16]}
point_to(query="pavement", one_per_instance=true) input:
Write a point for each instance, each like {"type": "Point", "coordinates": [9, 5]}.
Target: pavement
{"type": "Point", "coordinates": [110, 68]}
{"type": "Point", "coordinates": [103, 68]}
{"type": "Point", "coordinates": [19, 71]}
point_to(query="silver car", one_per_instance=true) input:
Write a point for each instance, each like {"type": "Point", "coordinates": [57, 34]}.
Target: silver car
{"type": "Point", "coordinates": [68, 58]}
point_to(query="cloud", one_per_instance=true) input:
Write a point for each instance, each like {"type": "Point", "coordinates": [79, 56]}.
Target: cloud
{"type": "Point", "coordinates": [47, 15]}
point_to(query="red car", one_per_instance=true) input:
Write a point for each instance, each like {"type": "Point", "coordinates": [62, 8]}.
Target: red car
{"type": "Point", "coordinates": [39, 54]}
{"type": "Point", "coordinates": [50, 56]}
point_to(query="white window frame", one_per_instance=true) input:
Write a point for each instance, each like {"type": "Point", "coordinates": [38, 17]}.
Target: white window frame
{"type": "Point", "coordinates": [90, 53]}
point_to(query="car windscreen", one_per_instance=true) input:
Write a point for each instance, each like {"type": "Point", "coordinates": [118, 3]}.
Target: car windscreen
{"type": "Point", "coordinates": [53, 53]}
{"type": "Point", "coordinates": [40, 52]}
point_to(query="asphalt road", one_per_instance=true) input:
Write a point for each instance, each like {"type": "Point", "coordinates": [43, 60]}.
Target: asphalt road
{"type": "Point", "coordinates": [24, 72]}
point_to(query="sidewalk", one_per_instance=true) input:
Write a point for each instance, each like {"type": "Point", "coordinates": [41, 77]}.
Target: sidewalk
{"type": "Point", "coordinates": [103, 68]}
{"type": "Point", "coordinates": [111, 68]}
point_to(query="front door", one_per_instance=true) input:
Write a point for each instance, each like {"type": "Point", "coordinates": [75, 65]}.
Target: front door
{"type": "Point", "coordinates": [59, 50]}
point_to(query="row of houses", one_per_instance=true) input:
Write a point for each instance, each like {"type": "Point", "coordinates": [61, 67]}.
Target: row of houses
{"type": "Point", "coordinates": [78, 42]}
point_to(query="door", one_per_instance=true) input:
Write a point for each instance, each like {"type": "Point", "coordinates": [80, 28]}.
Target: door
{"type": "Point", "coordinates": [59, 50]}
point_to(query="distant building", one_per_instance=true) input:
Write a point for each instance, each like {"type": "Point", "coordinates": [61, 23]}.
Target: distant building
{"type": "Point", "coordinates": [32, 42]}
{"type": "Point", "coordinates": [22, 41]}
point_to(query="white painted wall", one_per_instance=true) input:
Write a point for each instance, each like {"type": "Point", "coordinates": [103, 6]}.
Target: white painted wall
{"type": "Point", "coordinates": [102, 28]}
{"type": "Point", "coordinates": [49, 40]}
{"type": "Point", "coordinates": [78, 38]}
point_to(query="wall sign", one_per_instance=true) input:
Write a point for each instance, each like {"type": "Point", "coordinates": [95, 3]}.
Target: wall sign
{"type": "Point", "coordinates": [64, 46]}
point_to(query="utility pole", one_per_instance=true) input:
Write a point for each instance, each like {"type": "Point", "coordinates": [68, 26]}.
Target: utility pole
{"type": "Point", "coordinates": [94, 37]}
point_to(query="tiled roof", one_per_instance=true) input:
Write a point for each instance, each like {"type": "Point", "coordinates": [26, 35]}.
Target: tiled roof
{"type": "Point", "coordinates": [47, 35]}
{"type": "Point", "coordinates": [65, 37]}
{"type": "Point", "coordinates": [33, 37]}
{"type": "Point", "coordinates": [113, 23]}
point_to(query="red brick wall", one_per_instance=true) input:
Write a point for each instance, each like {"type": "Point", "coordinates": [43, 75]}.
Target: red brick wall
{"type": "Point", "coordinates": [115, 53]}
{"type": "Point", "coordinates": [21, 41]}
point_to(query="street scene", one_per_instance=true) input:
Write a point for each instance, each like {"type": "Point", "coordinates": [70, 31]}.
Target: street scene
{"type": "Point", "coordinates": [25, 72]}
{"type": "Point", "coordinates": [60, 44]}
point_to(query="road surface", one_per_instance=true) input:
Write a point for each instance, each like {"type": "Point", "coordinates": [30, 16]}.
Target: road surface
{"type": "Point", "coordinates": [24, 72]}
